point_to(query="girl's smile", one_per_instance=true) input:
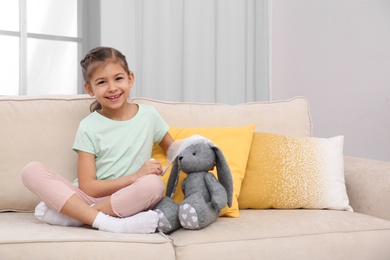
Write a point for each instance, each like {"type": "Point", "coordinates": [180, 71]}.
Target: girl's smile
{"type": "Point", "coordinates": [114, 98]}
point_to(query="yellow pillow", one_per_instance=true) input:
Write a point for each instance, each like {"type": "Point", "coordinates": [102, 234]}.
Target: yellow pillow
{"type": "Point", "coordinates": [234, 142]}
{"type": "Point", "coordinates": [286, 173]}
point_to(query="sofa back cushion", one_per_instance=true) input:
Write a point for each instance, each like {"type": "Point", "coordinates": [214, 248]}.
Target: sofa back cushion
{"type": "Point", "coordinates": [36, 129]}
{"type": "Point", "coordinates": [43, 129]}
{"type": "Point", "coordinates": [289, 117]}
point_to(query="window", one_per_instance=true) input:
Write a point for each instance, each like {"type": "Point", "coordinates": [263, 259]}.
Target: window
{"type": "Point", "coordinates": [42, 42]}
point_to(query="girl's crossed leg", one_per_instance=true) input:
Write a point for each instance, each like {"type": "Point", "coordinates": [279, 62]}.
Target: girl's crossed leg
{"type": "Point", "coordinates": [67, 205]}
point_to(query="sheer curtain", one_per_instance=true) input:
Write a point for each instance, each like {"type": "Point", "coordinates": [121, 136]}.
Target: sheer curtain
{"type": "Point", "coordinates": [192, 50]}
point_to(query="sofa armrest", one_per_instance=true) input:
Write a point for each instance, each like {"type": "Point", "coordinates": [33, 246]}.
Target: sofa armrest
{"type": "Point", "coordinates": [368, 186]}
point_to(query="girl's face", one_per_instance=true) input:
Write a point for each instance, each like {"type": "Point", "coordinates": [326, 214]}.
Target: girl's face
{"type": "Point", "coordinates": [110, 84]}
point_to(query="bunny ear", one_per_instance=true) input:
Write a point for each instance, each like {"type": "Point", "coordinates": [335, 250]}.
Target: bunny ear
{"type": "Point", "coordinates": [173, 178]}
{"type": "Point", "coordinates": [224, 173]}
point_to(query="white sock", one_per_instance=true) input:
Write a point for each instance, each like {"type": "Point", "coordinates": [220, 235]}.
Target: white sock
{"type": "Point", "coordinates": [50, 216]}
{"type": "Point", "coordinates": [141, 223]}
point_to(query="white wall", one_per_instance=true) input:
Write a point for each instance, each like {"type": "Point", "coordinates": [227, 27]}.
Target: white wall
{"type": "Point", "coordinates": [337, 54]}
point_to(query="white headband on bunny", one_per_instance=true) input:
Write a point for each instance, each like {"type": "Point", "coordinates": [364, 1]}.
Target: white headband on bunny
{"type": "Point", "coordinates": [179, 145]}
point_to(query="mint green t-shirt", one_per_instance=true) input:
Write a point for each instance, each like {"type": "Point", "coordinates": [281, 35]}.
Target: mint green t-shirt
{"type": "Point", "coordinates": [120, 147]}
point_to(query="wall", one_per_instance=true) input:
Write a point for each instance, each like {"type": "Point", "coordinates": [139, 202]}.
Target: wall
{"type": "Point", "coordinates": [334, 52]}
{"type": "Point", "coordinates": [337, 54]}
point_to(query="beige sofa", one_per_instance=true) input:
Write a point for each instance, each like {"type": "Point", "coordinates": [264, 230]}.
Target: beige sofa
{"type": "Point", "coordinates": [42, 129]}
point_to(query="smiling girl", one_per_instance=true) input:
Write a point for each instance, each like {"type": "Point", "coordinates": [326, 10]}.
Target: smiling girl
{"type": "Point", "coordinates": [117, 183]}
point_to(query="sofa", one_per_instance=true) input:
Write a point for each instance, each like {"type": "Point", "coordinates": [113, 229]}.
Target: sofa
{"type": "Point", "coordinates": [358, 227]}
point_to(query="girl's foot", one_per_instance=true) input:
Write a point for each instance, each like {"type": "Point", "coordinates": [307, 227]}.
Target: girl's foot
{"type": "Point", "coordinates": [141, 223]}
{"type": "Point", "coordinates": [50, 216]}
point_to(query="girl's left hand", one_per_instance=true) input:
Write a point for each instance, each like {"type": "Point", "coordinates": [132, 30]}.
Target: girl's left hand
{"type": "Point", "coordinates": [151, 166]}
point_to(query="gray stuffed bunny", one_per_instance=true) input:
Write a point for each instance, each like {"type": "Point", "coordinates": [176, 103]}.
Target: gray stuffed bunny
{"type": "Point", "coordinates": [204, 195]}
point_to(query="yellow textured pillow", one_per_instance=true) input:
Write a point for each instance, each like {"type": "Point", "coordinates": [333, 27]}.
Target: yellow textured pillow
{"type": "Point", "coordinates": [234, 142]}
{"type": "Point", "coordinates": [289, 172]}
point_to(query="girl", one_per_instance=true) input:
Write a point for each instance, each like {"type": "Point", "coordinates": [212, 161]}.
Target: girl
{"type": "Point", "coordinates": [118, 184]}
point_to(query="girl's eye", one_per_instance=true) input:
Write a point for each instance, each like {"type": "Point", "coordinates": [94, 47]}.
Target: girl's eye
{"type": "Point", "coordinates": [101, 82]}
{"type": "Point", "coordinates": [119, 78]}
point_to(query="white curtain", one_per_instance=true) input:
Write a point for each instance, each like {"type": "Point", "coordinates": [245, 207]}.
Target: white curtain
{"type": "Point", "coordinates": [192, 50]}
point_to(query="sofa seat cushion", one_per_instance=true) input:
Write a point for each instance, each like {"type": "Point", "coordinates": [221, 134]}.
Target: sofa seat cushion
{"type": "Point", "coordinates": [287, 234]}
{"type": "Point", "coordinates": [22, 232]}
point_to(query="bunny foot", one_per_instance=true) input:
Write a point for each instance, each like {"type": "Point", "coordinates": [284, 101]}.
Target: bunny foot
{"type": "Point", "coordinates": [163, 223]}
{"type": "Point", "coordinates": [188, 217]}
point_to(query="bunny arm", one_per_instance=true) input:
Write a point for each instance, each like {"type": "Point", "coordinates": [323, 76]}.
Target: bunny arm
{"type": "Point", "coordinates": [217, 191]}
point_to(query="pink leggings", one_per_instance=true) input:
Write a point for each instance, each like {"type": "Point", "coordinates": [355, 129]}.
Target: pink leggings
{"type": "Point", "coordinates": [55, 191]}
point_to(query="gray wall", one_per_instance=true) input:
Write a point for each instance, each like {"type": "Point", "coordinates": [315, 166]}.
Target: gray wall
{"type": "Point", "coordinates": [336, 53]}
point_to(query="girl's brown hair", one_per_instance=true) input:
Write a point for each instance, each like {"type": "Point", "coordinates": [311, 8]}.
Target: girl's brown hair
{"type": "Point", "coordinates": [96, 58]}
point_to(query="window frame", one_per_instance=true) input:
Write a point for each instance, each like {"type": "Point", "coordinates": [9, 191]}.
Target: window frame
{"type": "Point", "coordinates": [88, 36]}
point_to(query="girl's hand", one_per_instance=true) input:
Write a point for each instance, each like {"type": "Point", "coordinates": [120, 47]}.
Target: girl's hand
{"type": "Point", "coordinates": [151, 166]}
{"type": "Point", "coordinates": [101, 188]}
